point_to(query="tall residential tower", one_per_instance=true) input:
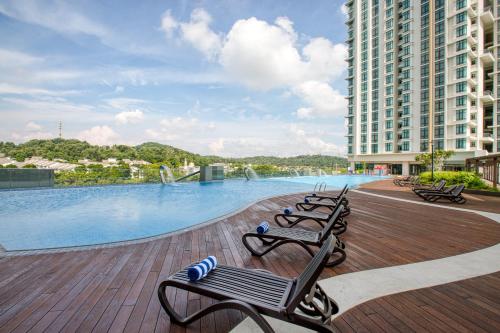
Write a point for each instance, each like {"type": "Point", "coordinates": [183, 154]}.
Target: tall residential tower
{"type": "Point", "coordinates": [422, 73]}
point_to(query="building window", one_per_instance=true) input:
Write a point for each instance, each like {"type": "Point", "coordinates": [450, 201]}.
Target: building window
{"type": "Point", "coordinates": [389, 113]}
{"type": "Point", "coordinates": [461, 44]}
{"type": "Point", "coordinates": [388, 124]}
{"type": "Point", "coordinates": [460, 144]}
{"type": "Point", "coordinates": [388, 147]}
{"type": "Point", "coordinates": [405, 134]}
{"type": "Point", "coordinates": [461, 72]}
{"type": "Point", "coordinates": [374, 149]}
{"type": "Point", "coordinates": [461, 31]}
{"type": "Point", "coordinates": [461, 4]}
{"type": "Point", "coordinates": [461, 59]}
{"type": "Point", "coordinates": [461, 114]}
{"type": "Point", "coordinates": [461, 129]}
{"type": "Point", "coordinates": [461, 87]}
{"type": "Point", "coordinates": [389, 136]}
{"type": "Point", "coordinates": [461, 17]}
{"type": "Point", "coordinates": [461, 101]}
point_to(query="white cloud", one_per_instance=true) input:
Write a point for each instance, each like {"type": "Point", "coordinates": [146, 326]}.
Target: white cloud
{"type": "Point", "coordinates": [260, 55]}
{"type": "Point", "coordinates": [99, 135]}
{"type": "Point", "coordinates": [168, 24]}
{"type": "Point", "coordinates": [198, 33]}
{"type": "Point", "coordinates": [54, 15]}
{"type": "Point", "coordinates": [344, 10]}
{"type": "Point", "coordinates": [216, 147]}
{"type": "Point", "coordinates": [323, 100]}
{"type": "Point", "coordinates": [125, 103]}
{"type": "Point", "coordinates": [32, 126]}
{"type": "Point", "coordinates": [129, 117]}
{"type": "Point", "coordinates": [324, 60]}
{"type": "Point", "coordinates": [11, 89]}
{"type": "Point", "coordinates": [9, 58]}
{"type": "Point", "coordinates": [313, 143]}
{"type": "Point", "coordinates": [31, 135]}
{"type": "Point", "coordinates": [265, 56]}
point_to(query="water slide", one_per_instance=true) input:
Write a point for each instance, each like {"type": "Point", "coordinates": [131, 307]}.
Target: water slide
{"type": "Point", "coordinates": [187, 176]}
{"type": "Point", "coordinates": [167, 176]}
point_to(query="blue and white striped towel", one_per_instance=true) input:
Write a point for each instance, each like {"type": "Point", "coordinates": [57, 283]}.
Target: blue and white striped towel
{"type": "Point", "coordinates": [200, 270]}
{"type": "Point", "coordinates": [288, 210]}
{"type": "Point", "coordinates": [263, 227]}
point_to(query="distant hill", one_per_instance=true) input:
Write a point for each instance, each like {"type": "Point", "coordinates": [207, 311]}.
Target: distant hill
{"type": "Point", "coordinates": [73, 150]}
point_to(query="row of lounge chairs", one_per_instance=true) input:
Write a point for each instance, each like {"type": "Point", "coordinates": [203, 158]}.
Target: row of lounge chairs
{"type": "Point", "coordinates": [438, 191]}
{"type": "Point", "coordinates": [257, 292]}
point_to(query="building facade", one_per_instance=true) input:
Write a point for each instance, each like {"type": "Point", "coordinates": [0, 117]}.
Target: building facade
{"type": "Point", "coordinates": [422, 73]}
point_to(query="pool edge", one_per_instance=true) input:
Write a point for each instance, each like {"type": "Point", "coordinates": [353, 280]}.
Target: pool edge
{"type": "Point", "coordinates": [15, 253]}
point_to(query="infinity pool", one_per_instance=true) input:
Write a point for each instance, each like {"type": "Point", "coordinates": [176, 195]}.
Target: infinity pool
{"type": "Point", "coordinates": [54, 218]}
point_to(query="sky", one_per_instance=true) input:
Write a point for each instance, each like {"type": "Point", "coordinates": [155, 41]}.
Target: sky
{"type": "Point", "coordinates": [229, 77]}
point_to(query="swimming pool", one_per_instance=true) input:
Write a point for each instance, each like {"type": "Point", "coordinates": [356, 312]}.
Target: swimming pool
{"type": "Point", "coordinates": [65, 217]}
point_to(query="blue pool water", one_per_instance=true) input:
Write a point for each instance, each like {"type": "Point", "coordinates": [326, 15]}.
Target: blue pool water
{"type": "Point", "coordinates": [53, 218]}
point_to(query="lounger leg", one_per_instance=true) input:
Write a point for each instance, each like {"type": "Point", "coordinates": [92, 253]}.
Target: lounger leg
{"type": "Point", "coordinates": [227, 304]}
{"type": "Point", "coordinates": [316, 304]}
{"type": "Point", "coordinates": [339, 260]}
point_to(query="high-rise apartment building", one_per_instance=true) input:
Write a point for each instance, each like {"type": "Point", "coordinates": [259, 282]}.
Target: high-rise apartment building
{"type": "Point", "coordinates": [422, 73]}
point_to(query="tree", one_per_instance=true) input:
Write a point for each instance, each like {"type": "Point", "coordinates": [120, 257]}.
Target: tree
{"type": "Point", "coordinates": [440, 156]}
{"type": "Point", "coordinates": [29, 166]}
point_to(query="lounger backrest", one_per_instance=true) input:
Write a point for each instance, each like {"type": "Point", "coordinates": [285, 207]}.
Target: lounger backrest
{"type": "Point", "coordinates": [307, 279]}
{"type": "Point", "coordinates": [327, 229]}
{"type": "Point", "coordinates": [441, 185]}
{"type": "Point", "coordinates": [450, 189]}
{"type": "Point", "coordinates": [458, 190]}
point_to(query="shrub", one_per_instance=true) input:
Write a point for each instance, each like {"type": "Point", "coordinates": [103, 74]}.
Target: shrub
{"type": "Point", "coordinates": [470, 179]}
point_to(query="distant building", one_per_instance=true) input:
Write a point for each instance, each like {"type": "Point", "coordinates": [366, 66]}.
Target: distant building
{"type": "Point", "coordinates": [40, 163]}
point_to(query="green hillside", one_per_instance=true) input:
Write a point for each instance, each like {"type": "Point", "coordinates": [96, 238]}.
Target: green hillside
{"type": "Point", "coordinates": [73, 150]}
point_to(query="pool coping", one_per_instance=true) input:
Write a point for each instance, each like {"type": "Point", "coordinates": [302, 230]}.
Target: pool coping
{"type": "Point", "coordinates": [16, 253]}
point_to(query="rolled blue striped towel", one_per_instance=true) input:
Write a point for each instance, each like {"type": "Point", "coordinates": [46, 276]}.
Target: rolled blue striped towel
{"type": "Point", "coordinates": [200, 270]}
{"type": "Point", "coordinates": [263, 227]}
{"type": "Point", "coordinates": [306, 200]}
{"type": "Point", "coordinates": [288, 210]}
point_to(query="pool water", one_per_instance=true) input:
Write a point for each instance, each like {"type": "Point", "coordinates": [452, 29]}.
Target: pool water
{"type": "Point", "coordinates": [64, 217]}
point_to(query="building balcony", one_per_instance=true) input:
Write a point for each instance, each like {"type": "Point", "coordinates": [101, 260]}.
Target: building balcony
{"type": "Point", "coordinates": [487, 137]}
{"type": "Point", "coordinates": [471, 10]}
{"type": "Point", "coordinates": [472, 40]}
{"type": "Point", "coordinates": [350, 19]}
{"type": "Point", "coordinates": [472, 81]}
{"type": "Point", "coordinates": [471, 52]}
{"type": "Point", "coordinates": [487, 16]}
{"type": "Point", "coordinates": [487, 57]}
{"type": "Point", "coordinates": [487, 97]}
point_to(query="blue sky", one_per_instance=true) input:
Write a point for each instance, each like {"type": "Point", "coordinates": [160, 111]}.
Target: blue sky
{"type": "Point", "coordinates": [233, 78]}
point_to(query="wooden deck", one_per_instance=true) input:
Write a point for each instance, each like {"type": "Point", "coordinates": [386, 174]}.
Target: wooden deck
{"type": "Point", "coordinates": [114, 289]}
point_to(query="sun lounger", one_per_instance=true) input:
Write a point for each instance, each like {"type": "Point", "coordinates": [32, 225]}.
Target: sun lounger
{"type": "Point", "coordinates": [258, 292]}
{"type": "Point", "coordinates": [413, 181]}
{"type": "Point", "coordinates": [398, 180]}
{"type": "Point", "coordinates": [275, 237]}
{"type": "Point", "coordinates": [312, 205]}
{"type": "Point", "coordinates": [296, 217]}
{"type": "Point", "coordinates": [454, 195]}
{"type": "Point", "coordinates": [333, 199]}
{"type": "Point", "coordinates": [434, 187]}
{"type": "Point", "coordinates": [424, 194]}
